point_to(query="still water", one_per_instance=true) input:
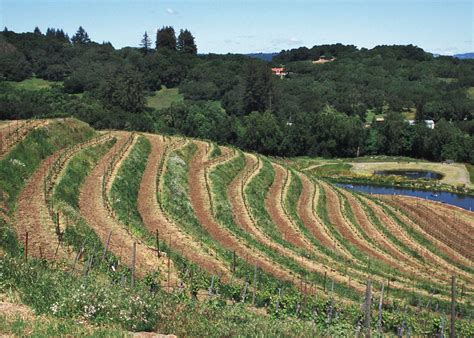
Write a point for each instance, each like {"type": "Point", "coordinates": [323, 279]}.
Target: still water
{"type": "Point", "coordinates": [413, 174]}
{"type": "Point", "coordinates": [462, 201]}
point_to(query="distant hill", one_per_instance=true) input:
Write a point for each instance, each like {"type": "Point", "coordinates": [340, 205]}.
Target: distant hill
{"type": "Point", "coordinates": [465, 56]}
{"type": "Point", "coordinates": [263, 56]}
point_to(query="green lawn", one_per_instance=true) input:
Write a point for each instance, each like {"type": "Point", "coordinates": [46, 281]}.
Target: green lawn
{"type": "Point", "coordinates": [164, 98]}
{"type": "Point", "coordinates": [470, 92]}
{"type": "Point", "coordinates": [470, 169]}
{"type": "Point", "coordinates": [33, 84]}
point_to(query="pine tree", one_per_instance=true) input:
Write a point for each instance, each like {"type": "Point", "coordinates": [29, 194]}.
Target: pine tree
{"type": "Point", "coordinates": [166, 38]}
{"type": "Point", "coordinates": [146, 43]}
{"type": "Point", "coordinates": [186, 42]}
{"type": "Point", "coordinates": [37, 31]}
{"type": "Point", "coordinates": [81, 37]}
{"type": "Point", "coordinates": [50, 32]}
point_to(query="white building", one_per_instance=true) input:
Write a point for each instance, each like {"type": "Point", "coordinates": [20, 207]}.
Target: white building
{"type": "Point", "coordinates": [429, 123]}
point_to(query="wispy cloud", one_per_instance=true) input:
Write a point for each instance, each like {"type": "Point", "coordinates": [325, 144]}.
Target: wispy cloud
{"type": "Point", "coordinates": [171, 11]}
{"type": "Point", "coordinates": [292, 41]}
{"type": "Point", "coordinates": [446, 50]}
{"type": "Point", "coordinates": [231, 42]}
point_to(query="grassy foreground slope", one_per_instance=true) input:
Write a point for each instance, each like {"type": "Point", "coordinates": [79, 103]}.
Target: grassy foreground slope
{"type": "Point", "coordinates": [95, 284]}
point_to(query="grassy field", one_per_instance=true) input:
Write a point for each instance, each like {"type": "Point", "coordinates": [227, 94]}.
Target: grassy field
{"type": "Point", "coordinates": [164, 98]}
{"type": "Point", "coordinates": [33, 84]}
{"type": "Point", "coordinates": [470, 92]}
{"type": "Point", "coordinates": [470, 169]}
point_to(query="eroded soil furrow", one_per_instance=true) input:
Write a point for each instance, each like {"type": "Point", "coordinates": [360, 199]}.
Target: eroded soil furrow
{"type": "Point", "coordinates": [155, 219]}
{"type": "Point", "coordinates": [94, 210]}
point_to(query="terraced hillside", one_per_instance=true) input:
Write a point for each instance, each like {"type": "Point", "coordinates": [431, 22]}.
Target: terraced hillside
{"type": "Point", "coordinates": [206, 222]}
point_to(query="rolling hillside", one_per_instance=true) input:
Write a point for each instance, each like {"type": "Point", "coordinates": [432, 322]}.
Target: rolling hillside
{"type": "Point", "coordinates": [145, 232]}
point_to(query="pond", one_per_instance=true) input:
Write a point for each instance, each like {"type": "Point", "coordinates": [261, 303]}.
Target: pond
{"type": "Point", "coordinates": [413, 174]}
{"type": "Point", "coordinates": [459, 200]}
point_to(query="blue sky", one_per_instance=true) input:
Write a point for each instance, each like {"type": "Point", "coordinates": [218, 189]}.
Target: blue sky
{"type": "Point", "coordinates": [221, 26]}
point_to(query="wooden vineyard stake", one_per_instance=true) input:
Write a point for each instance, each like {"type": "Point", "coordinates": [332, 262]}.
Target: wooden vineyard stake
{"type": "Point", "coordinates": [158, 243]}
{"type": "Point", "coordinates": [367, 305]}
{"type": "Point", "coordinates": [169, 271]}
{"type": "Point", "coordinates": [233, 262]}
{"type": "Point", "coordinates": [244, 293]}
{"type": "Point", "coordinates": [380, 309]}
{"type": "Point", "coordinates": [107, 245]}
{"type": "Point", "coordinates": [452, 332]}
{"type": "Point", "coordinates": [134, 253]}
{"type": "Point", "coordinates": [324, 284]}
{"type": "Point", "coordinates": [210, 291]}
{"type": "Point", "coordinates": [254, 284]}
{"type": "Point", "coordinates": [79, 254]}
{"type": "Point", "coordinates": [26, 246]}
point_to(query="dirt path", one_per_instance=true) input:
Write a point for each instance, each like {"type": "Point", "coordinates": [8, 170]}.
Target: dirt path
{"type": "Point", "coordinates": [389, 202]}
{"type": "Point", "coordinates": [155, 219]}
{"type": "Point", "coordinates": [437, 226]}
{"type": "Point", "coordinates": [95, 212]}
{"type": "Point", "coordinates": [433, 260]}
{"type": "Point", "coordinates": [274, 206]}
{"type": "Point", "coordinates": [201, 204]}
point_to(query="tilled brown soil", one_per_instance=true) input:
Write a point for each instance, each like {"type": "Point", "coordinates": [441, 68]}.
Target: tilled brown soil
{"type": "Point", "coordinates": [273, 204]}
{"type": "Point", "coordinates": [440, 245]}
{"type": "Point", "coordinates": [155, 219]}
{"type": "Point", "coordinates": [92, 207]}
{"type": "Point", "coordinates": [200, 201]}
{"type": "Point", "coordinates": [433, 260]}
{"type": "Point", "coordinates": [336, 218]}
{"type": "Point", "coordinates": [243, 219]}
{"type": "Point", "coordinates": [32, 216]}
{"type": "Point", "coordinates": [434, 225]}
{"type": "Point", "coordinates": [406, 262]}
{"type": "Point", "coordinates": [14, 132]}
{"type": "Point", "coordinates": [306, 211]}
{"type": "Point", "coordinates": [460, 222]}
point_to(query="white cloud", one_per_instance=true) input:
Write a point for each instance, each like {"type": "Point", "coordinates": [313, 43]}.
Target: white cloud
{"type": "Point", "coordinates": [171, 11]}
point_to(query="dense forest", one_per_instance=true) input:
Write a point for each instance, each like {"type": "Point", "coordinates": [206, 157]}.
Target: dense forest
{"type": "Point", "coordinates": [318, 108]}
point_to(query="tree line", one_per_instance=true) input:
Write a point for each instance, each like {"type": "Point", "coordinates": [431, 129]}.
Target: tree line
{"type": "Point", "coordinates": [317, 109]}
